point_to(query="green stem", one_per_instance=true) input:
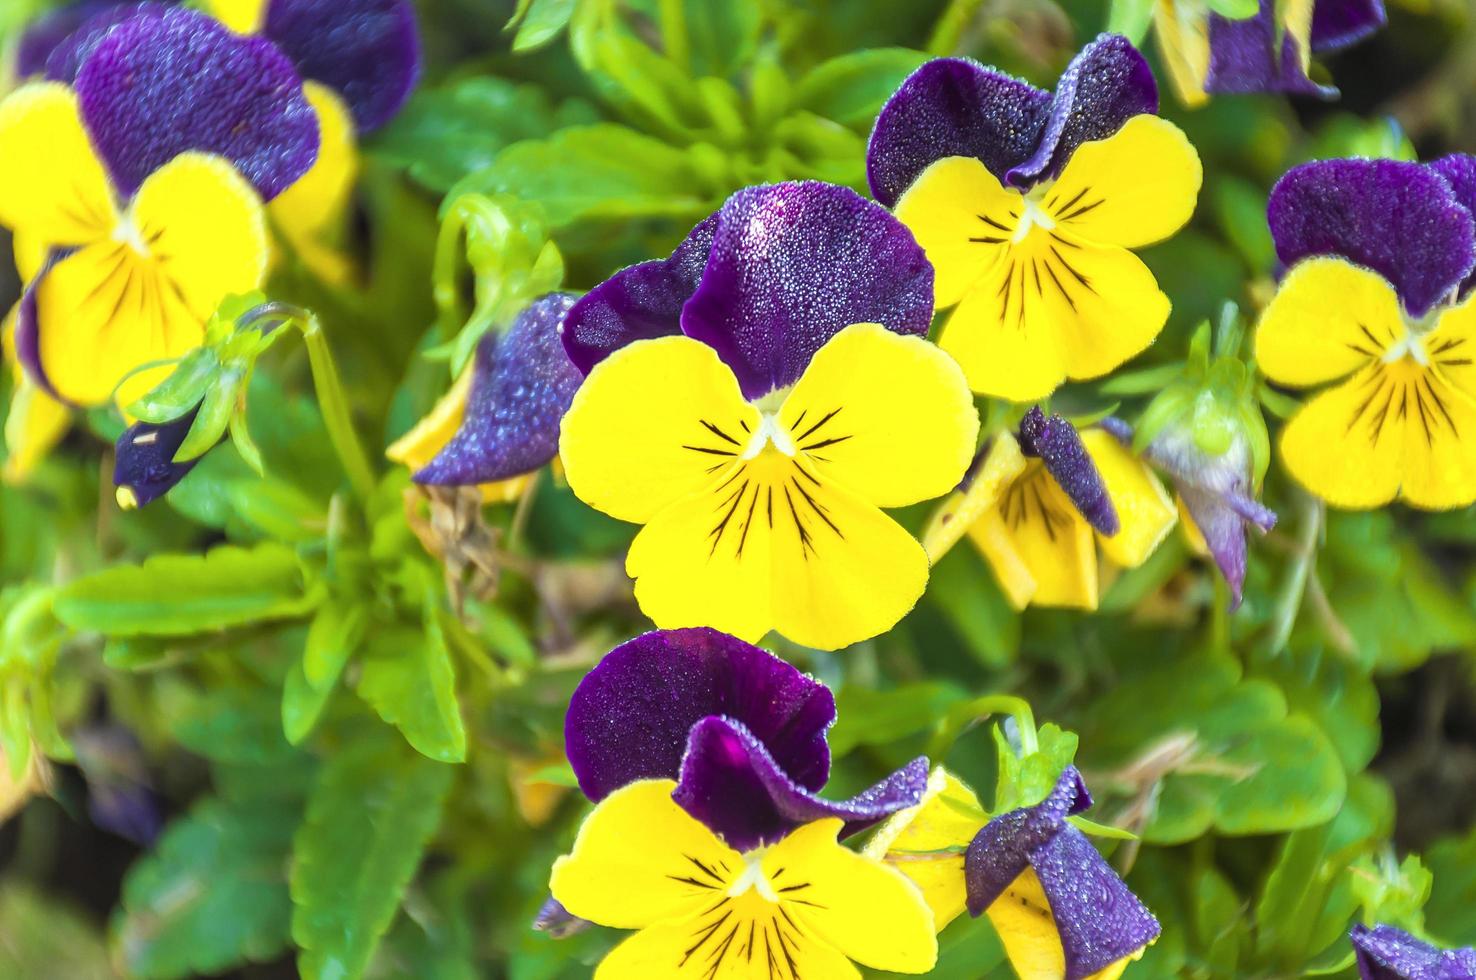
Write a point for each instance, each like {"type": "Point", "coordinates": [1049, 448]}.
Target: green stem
{"type": "Point", "coordinates": [951, 25]}
{"type": "Point", "coordinates": [674, 34]}
{"type": "Point", "coordinates": [965, 716]}
{"type": "Point", "coordinates": [1290, 600]}
{"type": "Point", "coordinates": [334, 405]}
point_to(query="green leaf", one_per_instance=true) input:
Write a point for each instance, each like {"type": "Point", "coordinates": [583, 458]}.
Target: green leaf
{"type": "Point", "coordinates": [868, 717]}
{"type": "Point", "coordinates": [178, 394]}
{"type": "Point", "coordinates": [851, 89]}
{"type": "Point", "coordinates": [233, 724]}
{"type": "Point", "coordinates": [368, 821]}
{"type": "Point", "coordinates": [722, 36]}
{"type": "Point", "coordinates": [1130, 18]}
{"type": "Point", "coordinates": [408, 678]}
{"type": "Point", "coordinates": [541, 23]}
{"type": "Point", "coordinates": [334, 637]}
{"type": "Point", "coordinates": [968, 595]}
{"type": "Point", "coordinates": [211, 895]}
{"type": "Point", "coordinates": [1450, 913]}
{"type": "Point", "coordinates": [175, 595]}
{"type": "Point", "coordinates": [1235, 9]}
{"type": "Point", "coordinates": [43, 937]}
{"type": "Point", "coordinates": [302, 704]}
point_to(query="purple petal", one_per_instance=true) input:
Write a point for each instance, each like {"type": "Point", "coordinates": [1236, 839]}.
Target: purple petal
{"type": "Point", "coordinates": [557, 921]}
{"type": "Point", "coordinates": [637, 303]}
{"type": "Point", "coordinates": [630, 717]}
{"type": "Point", "coordinates": [1339, 23]}
{"type": "Point", "coordinates": [1387, 953]}
{"type": "Point", "coordinates": [1059, 446]}
{"type": "Point", "coordinates": [50, 31]}
{"type": "Point", "coordinates": [366, 50]}
{"type": "Point", "coordinates": [1459, 171]}
{"type": "Point", "coordinates": [1003, 849]}
{"type": "Point", "coordinates": [1402, 220]}
{"type": "Point", "coordinates": [731, 783]}
{"type": "Point", "coordinates": [1105, 85]}
{"type": "Point", "coordinates": [1245, 57]}
{"type": "Point", "coordinates": [1224, 533]}
{"type": "Point", "coordinates": [28, 325]}
{"type": "Point", "coordinates": [791, 266]}
{"type": "Point", "coordinates": [953, 107]}
{"type": "Point", "coordinates": [1097, 916]}
{"type": "Point", "coordinates": [522, 384]}
{"type": "Point", "coordinates": [144, 464]}
{"type": "Point", "coordinates": [156, 86]}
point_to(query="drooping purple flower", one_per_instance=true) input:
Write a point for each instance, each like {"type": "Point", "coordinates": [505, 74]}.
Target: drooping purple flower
{"type": "Point", "coordinates": [741, 731]}
{"type": "Point", "coordinates": [1097, 917]}
{"type": "Point", "coordinates": [765, 281]}
{"type": "Point", "coordinates": [1386, 953]}
{"type": "Point", "coordinates": [1259, 55]}
{"type": "Point", "coordinates": [957, 107]}
{"type": "Point", "coordinates": [1058, 445]}
{"type": "Point", "coordinates": [144, 468]}
{"type": "Point", "coordinates": [522, 384]}
{"type": "Point", "coordinates": [1402, 220]}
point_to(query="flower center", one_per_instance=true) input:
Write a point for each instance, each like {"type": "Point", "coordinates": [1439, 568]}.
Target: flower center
{"type": "Point", "coordinates": [125, 232]}
{"type": "Point", "coordinates": [1410, 345]}
{"type": "Point", "coordinates": [753, 878]}
{"type": "Point", "coordinates": [1033, 216]}
{"type": "Point", "coordinates": [769, 432]}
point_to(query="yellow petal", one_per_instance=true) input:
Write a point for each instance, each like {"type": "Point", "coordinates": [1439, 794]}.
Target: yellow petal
{"type": "Point", "coordinates": [31, 251]}
{"type": "Point", "coordinates": [416, 448]}
{"type": "Point", "coordinates": [640, 859]}
{"type": "Point", "coordinates": [1451, 347]}
{"type": "Point", "coordinates": [926, 843]}
{"type": "Point", "coordinates": [996, 543]}
{"type": "Point", "coordinates": [1022, 917]}
{"type": "Point", "coordinates": [1145, 513]}
{"type": "Point", "coordinates": [1439, 440]}
{"type": "Point", "coordinates": [1328, 319]}
{"type": "Point", "coordinates": [52, 184]}
{"type": "Point", "coordinates": [1182, 29]}
{"type": "Point", "coordinates": [1108, 305]}
{"type": "Point", "coordinates": [1339, 446]}
{"type": "Point", "coordinates": [634, 440]}
{"type": "Point", "coordinates": [889, 417]}
{"type": "Point", "coordinates": [1296, 21]}
{"type": "Point", "coordinates": [770, 546]}
{"type": "Point", "coordinates": [241, 16]}
{"type": "Point", "coordinates": [309, 207]}
{"type": "Point", "coordinates": [867, 910]}
{"type": "Point", "coordinates": [36, 423]}
{"type": "Point", "coordinates": [964, 508]}
{"type": "Point", "coordinates": [1049, 537]}
{"type": "Point", "coordinates": [1136, 187]}
{"type": "Point", "coordinates": [962, 217]}
{"type": "Point", "coordinates": [1004, 335]}
{"type": "Point", "coordinates": [1193, 536]}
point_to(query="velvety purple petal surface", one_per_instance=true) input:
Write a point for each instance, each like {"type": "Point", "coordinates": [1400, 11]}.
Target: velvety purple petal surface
{"type": "Point", "coordinates": [1246, 56]}
{"type": "Point", "coordinates": [1105, 85]}
{"type": "Point", "coordinates": [631, 715]}
{"type": "Point", "coordinates": [637, 303]}
{"type": "Point", "coordinates": [367, 50]}
{"type": "Point", "coordinates": [732, 784]}
{"type": "Point", "coordinates": [1097, 916]}
{"type": "Point", "coordinates": [1057, 443]}
{"type": "Point", "coordinates": [522, 384]}
{"type": "Point", "coordinates": [51, 31]}
{"type": "Point", "coordinates": [1000, 851]}
{"type": "Point", "coordinates": [791, 266]}
{"type": "Point", "coordinates": [1386, 953]}
{"type": "Point", "coordinates": [144, 458]}
{"type": "Point", "coordinates": [157, 86]}
{"type": "Point", "coordinates": [953, 107]}
{"type": "Point", "coordinates": [1402, 220]}
{"type": "Point", "coordinates": [1459, 171]}
{"type": "Point", "coordinates": [1339, 23]}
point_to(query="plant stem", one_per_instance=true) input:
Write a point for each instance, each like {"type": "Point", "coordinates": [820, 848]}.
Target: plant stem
{"type": "Point", "coordinates": [1295, 588]}
{"type": "Point", "coordinates": [334, 405]}
{"type": "Point", "coordinates": [965, 716]}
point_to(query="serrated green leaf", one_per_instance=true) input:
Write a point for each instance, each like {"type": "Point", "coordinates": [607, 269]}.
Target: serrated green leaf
{"type": "Point", "coordinates": [368, 821]}
{"type": "Point", "coordinates": [408, 678]}
{"type": "Point", "coordinates": [175, 595]}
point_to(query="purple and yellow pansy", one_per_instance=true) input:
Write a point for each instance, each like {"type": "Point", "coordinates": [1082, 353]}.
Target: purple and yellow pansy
{"type": "Point", "coordinates": [1208, 54]}
{"type": "Point", "coordinates": [1039, 502]}
{"type": "Point", "coordinates": [1386, 953]}
{"type": "Point", "coordinates": [1060, 910]}
{"type": "Point", "coordinates": [754, 401]}
{"type": "Point", "coordinates": [499, 423]}
{"type": "Point", "coordinates": [704, 756]}
{"type": "Point", "coordinates": [1374, 306]}
{"type": "Point", "coordinates": [1027, 203]}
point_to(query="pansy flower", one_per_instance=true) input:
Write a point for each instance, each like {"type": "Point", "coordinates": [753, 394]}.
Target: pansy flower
{"type": "Point", "coordinates": [1060, 910]}
{"type": "Point", "coordinates": [755, 400]}
{"type": "Point", "coordinates": [1379, 255]}
{"type": "Point", "coordinates": [705, 756]}
{"type": "Point", "coordinates": [135, 194]}
{"type": "Point", "coordinates": [1386, 953]}
{"type": "Point", "coordinates": [1037, 504]}
{"type": "Point", "coordinates": [1027, 204]}
{"type": "Point", "coordinates": [499, 423]}
{"type": "Point", "coordinates": [1209, 54]}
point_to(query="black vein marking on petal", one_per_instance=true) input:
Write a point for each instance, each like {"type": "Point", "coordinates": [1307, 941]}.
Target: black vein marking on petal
{"type": "Point", "coordinates": [1045, 514]}
{"type": "Point", "coordinates": [806, 544]}
{"type": "Point", "coordinates": [1071, 269]}
{"type": "Point", "coordinates": [986, 240]}
{"type": "Point", "coordinates": [745, 426]}
{"type": "Point", "coordinates": [784, 942]}
{"type": "Point", "coordinates": [1358, 349]}
{"type": "Point", "coordinates": [824, 442]}
{"type": "Point", "coordinates": [1064, 294]}
{"type": "Point", "coordinates": [1377, 425]}
{"type": "Point", "coordinates": [1084, 209]}
{"type": "Point", "coordinates": [689, 880]}
{"type": "Point", "coordinates": [1440, 405]}
{"type": "Point", "coordinates": [1369, 334]}
{"type": "Point", "coordinates": [992, 223]}
{"type": "Point", "coordinates": [769, 508]}
{"type": "Point", "coordinates": [769, 952]}
{"type": "Point", "coordinates": [710, 451]}
{"type": "Point", "coordinates": [1450, 343]}
{"type": "Point", "coordinates": [705, 869]}
{"type": "Point", "coordinates": [748, 946]}
{"type": "Point", "coordinates": [719, 432]}
{"type": "Point", "coordinates": [721, 951]}
{"type": "Point", "coordinates": [737, 498]}
{"type": "Point", "coordinates": [747, 522]}
{"type": "Point", "coordinates": [1064, 241]}
{"type": "Point", "coordinates": [703, 937]}
{"type": "Point", "coordinates": [795, 888]}
{"type": "Point", "coordinates": [1420, 405]}
{"type": "Point", "coordinates": [1403, 401]}
{"type": "Point", "coordinates": [811, 430]}
{"type": "Point", "coordinates": [1035, 267]}
{"type": "Point", "coordinates": [1079, 195]}
{"type": "Point", "coordinates": [818, 508]}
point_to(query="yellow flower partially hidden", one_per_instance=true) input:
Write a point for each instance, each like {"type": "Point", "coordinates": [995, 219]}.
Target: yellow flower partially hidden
{"type": "Point", "coordinates": [1042, 284]}
{"type": "Point", "coordinates": [1401, 424]}
{"type": "Point", "coordinates": [768, 515]}
{"type": "Point", "coordinates": [1041, 548]}
{"type": "Point", "coordinates": [803, 908]}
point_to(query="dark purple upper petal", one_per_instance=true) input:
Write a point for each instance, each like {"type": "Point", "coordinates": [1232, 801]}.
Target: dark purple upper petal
{"type": "Point", "coordinates": [1339, 23]}
{"type": "Point", "coordinates": [1459, 171]}
{"type": "Point", "coordinates": [144, 463]}
{"type": "Point", "coordinates": [156, 86]}
{"type": "Point", "coordinates": [1387, 953]}
{"type": "Point", "coordinates": [637, 303]}
{"type": "Point", "coordinates": [367, 50]}
{"type": "Point", "coordinates": [1000, 851]}
{"type": "Point", "coordinates": [1257, 55]}
{"type": "Point", "coordinates": [50, 31]}
{"type": "Point", "coordinates": [1105, 85]}
{"type": "Point", "coordinates": [522, 384]}
{"type": "Point", "coordinates": [1059, 446]}
{"type": "Point", "coordinates": [630, 717]}
{"type": "Point", "coordinates": [1402, 220]}
{"type": "Point", "coordinates": [953, 107]}
{"type": "Point", "coordinates": [732, 784]}
{"type": "Point", "coordinates": [792, 265]}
